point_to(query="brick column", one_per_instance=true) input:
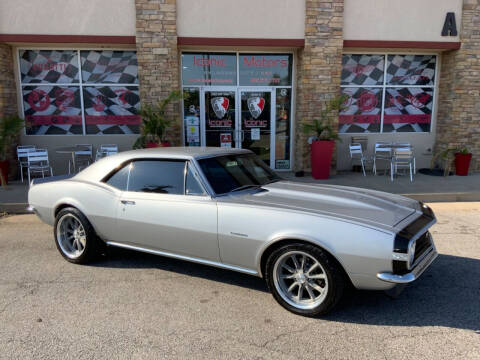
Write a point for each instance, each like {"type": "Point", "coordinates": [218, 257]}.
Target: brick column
{"type": "Point", "coordinates": [8, 96]}
{"type": "Point", "coordinates": [158, 60]}
{"type": "Point", "coordinates": [458, 119]}
{"type": "Point", "coordinates": [318, 69]}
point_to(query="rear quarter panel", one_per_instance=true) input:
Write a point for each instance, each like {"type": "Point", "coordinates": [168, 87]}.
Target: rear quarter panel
{"type": "Point", "coordinates": [98, 202]}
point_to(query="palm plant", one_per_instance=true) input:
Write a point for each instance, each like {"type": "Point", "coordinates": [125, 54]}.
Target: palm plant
{"type": "Point", "coordinates": [322, 127]}
{"type": "Point", "coordinates": [155, 120]}
{"type": "Point", "coordinates": [9, 129]}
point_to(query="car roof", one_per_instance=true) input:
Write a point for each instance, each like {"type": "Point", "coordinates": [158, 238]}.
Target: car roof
{"type": "Point", "coordinates": [101, 168]}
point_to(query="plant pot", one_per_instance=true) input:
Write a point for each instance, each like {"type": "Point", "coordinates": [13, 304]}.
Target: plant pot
{"type": "Point", "coordinates": [462, 163]}
{"type": "Point", "coordinates": [152, 144]}
{"type": "Point", "coordinates": [4, 168]}
{"type": "Point", "coordinates": [321, 158]}
{"type": "Point", "coordinates": [166, 144]}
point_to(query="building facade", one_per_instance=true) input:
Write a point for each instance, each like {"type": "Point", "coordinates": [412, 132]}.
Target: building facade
{"type": "Point", "coordinates": [252, 72]}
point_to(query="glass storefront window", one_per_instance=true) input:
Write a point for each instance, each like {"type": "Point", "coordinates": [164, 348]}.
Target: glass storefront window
{"type": "Point", "coordinates": [387, 93]}
{"type": "Point", "coordinates": [105, 101]}
{"type": "Point", "coordinates": [191, 116]}
{"type": "Point", "coordinates": [282, 128]}
{"type": "Point", "coordinates": [265, 70]}
{"type": "Point", "coordinates": [213, 69]}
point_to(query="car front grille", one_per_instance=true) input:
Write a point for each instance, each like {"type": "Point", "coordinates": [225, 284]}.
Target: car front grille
{"type": "Point", "coordinates": [424, 243]}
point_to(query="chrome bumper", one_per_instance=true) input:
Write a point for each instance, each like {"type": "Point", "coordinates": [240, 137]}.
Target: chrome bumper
{"type": "Point", "coordinates": [414, 274]}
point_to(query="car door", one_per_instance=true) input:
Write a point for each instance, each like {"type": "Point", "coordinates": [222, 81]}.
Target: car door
{"type": "Point", "coordinates": [166, 208]}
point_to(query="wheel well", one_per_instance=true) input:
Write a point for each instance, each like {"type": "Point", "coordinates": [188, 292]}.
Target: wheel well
{"type": "Point", "coordinates": [60, 207]}
{"type": "Point", "coordinates": [268, 251]}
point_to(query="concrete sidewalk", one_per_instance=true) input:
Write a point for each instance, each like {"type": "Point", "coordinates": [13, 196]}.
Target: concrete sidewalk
{"type": "Point", "coordinates": [424, 188]}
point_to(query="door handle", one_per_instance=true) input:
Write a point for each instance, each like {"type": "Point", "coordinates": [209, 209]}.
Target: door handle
{"type": "Point", "coordinates": [127, 202]}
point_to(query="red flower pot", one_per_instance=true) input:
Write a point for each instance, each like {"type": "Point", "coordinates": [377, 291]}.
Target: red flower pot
{"type": "Point", "coordinates": [152, 144]}
{"type": "Point", "coordinates": [4, 168]}
{"type": "Point", "coordinates": [166, 144]}
{"type": "Point", "coordinates": [462, 163]}
{"type": "Point", "coordinates": [321, 158]}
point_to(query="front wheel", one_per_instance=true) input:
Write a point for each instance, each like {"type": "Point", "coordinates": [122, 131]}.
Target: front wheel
{"type": "Point", "coordinates": [74, 236]}
{"type": "Point", "coordinates": [304, 279]}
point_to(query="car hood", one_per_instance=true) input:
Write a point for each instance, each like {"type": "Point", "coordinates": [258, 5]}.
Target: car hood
{"type": "Point", "coordinates": [368, 207]}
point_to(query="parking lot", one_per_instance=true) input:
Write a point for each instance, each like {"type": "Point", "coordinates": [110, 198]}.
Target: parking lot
{"type": "Point", "coordinates": [131, 305]}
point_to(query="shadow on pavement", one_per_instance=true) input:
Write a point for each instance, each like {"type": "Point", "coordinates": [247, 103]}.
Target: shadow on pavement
{"type": "Point", "coordinates": [447, 294]}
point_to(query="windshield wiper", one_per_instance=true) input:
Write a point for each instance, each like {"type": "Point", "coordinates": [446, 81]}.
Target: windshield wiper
{"type": "Point", "coordinates": [243, 187]}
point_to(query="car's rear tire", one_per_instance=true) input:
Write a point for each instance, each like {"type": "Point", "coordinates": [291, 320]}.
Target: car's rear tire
{"type": "Point", "coordinates": [75, 237]}
{"type": "Point", "coordinates": [304, 279]}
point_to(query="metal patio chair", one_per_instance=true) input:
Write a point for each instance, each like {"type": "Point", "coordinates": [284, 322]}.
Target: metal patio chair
{"type": "Point", "coordinates": [106, 150]}
{"type": "Point", "coordinates": [383, 152]}
{"type": "Point", "coordinates": [38, 163]}
{"type": "Point", "coordinates": [22, 151]}
{"type": "Point", "coordinates": [83, 158]}
{"type": "Point", "coordinates": [408, 145]}
{"type": "Point", "coordinates": [356, 154]}
{"type": "Point", "coordinates": [402, 158]}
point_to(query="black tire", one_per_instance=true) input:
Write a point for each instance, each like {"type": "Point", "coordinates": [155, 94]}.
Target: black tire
{"type": "Point", "coordinates": [337, 282]}
{"type": "Point", "coordinates": [93, 244]}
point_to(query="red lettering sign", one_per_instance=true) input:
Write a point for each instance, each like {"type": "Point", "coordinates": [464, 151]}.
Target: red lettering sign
{"type": "Point", "coordinates": [220, 123]}
{"type": "Point", "coordinates": [212, 61]}
{"type": "Point", "coordinates": [263, 62]}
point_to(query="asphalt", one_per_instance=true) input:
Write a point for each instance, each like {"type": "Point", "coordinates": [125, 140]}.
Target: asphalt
{"type": "Point", "coordinates": [136, 306]}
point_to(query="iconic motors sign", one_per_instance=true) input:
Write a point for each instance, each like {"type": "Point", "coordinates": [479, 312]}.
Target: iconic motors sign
{"type": "Point", "coordinates": [221, 69]}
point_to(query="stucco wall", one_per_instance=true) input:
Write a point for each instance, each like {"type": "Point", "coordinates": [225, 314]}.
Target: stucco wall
{"type": "Point", "coordinates": [281, 19]}
{"type": "Point", "coordinates": [68, 17]}
{"type": "Point", "coordinates": [408, 20]}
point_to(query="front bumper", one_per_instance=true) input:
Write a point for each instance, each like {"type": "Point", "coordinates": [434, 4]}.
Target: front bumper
{"type": "Point", "coordinates": [414, 274]}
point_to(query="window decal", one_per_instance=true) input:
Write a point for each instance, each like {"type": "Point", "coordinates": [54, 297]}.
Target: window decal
{"type": "Point", "coordinates": [362, 69]}
{"type": "Point", "coordinates": [109, 67]}
{"type": "Point", "coordinates": [48, 66]}
{"type": "Point", "coordinates": [362, 110]}
{"type": "Point", "coordinates": [411, 69]}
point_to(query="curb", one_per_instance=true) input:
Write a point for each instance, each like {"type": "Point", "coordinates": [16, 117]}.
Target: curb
{"type": "Point", "coordinates": [15, 208]}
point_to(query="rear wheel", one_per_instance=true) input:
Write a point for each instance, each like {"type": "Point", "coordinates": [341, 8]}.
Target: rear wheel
{"type": "Point", "coordinates": [74, 236]}
{"type": "Point", "coordinates": [304, 279]}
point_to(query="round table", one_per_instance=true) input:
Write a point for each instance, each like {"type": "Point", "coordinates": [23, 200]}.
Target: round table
{"type": "Point", "coordinates": [72, 150]}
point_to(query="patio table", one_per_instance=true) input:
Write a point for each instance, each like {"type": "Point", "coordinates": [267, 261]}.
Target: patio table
{"type": "Point", "coordinates": [72, 150]}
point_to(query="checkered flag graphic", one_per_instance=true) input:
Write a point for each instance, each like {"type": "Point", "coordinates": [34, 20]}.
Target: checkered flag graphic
{"type": "Point", "coordinates": [362, 69]}
{"type": "Point", "coordinates": [411, 69]}
{"type": "Point", "coordinates": [112, 110]}
{"type": "Point", "coordinates": [49, 66]}
{"type": "Point", "coordinates": [112, 67]}
{"type": "Point", "coordinates": [362, 110]}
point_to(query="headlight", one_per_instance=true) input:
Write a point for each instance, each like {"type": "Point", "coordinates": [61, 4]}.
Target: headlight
{"type": "Point", "coordinates": [411, 254]}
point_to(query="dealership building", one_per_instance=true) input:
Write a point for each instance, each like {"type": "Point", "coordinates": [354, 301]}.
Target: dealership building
{"type": "Point", "coordinates": [254, 71]}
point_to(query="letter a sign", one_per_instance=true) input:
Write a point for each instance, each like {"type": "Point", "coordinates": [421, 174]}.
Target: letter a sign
{"type": "Point", "coordinates": [450, 25]}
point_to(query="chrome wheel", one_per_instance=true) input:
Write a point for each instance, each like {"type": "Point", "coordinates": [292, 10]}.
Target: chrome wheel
{"type": "Point", "coordinates": [300, 280]}
{"type": "Point", "coordinates": [71, 236]}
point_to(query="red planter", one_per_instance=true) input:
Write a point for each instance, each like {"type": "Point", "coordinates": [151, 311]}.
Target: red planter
{"type": "Point", "coordinates": [154, 144]}
{"type": "Point", "coordinates": [462, 163]}
{"type": "Point", "coordinates": [4, 168]}
{"type": "Point", "coordinates": [166, 144]}
{"type": "Point", "coordinates": [321, 158]}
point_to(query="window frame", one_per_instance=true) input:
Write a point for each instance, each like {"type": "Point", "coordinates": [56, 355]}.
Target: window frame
{"type": "Point", "coordinates": [78, 84]}
{"type": "Point", "coordinates": [187, 162]}
{"type": "Point", "coordinates": [385, 85]}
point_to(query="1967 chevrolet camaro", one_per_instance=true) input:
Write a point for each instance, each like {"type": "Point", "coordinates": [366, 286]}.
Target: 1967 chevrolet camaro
{"type": "Point", "coordinates": [226, 208]}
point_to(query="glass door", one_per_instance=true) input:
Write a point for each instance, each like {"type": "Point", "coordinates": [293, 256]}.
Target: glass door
{"type": "Point", "coordinates": [220, 118]}
{"type": "Point", "coordinates": [257, 121]}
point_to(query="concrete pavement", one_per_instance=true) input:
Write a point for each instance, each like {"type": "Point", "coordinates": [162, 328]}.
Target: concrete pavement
{"type": "Point", "coordinates": [137, 306]}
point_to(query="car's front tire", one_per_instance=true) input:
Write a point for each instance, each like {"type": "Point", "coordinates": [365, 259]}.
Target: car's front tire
{"type": "Point", "coordinates": [75, 237]}
{"type": "Point", "coordinates": [304, 279]}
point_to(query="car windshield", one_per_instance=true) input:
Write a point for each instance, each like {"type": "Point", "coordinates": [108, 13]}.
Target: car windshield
{"type": "Point", "coordinates": [236, 172]}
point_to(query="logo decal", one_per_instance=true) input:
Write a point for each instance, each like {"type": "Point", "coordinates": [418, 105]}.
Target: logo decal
{"type": "Point", "coordinates": [38, 100]}
{"type": "Point", "coordinates": [255, 106]}
{"type": "Point", "coordinates": [220, 106]}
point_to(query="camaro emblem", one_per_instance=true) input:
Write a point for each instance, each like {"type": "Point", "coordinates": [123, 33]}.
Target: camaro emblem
{"type": "Point", "coordinates": [220, 106]}
{"type": "Point", "coordinates": [255, 105]}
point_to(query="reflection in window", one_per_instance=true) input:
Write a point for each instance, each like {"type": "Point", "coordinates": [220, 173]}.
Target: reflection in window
{"type": "Point", "coordinates": [162, 177]}
{"type": "Point", "coordinates": [192, 186]}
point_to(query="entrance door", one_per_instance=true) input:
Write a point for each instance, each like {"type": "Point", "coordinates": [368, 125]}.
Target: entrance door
{"type": "Point", "coordinates": [257, 122]}
{"type": "Point", "coordinates": [220, 118]}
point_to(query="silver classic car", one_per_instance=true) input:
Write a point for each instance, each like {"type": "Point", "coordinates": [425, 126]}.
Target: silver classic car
{"type": "Point", "coordinates": [226, 208]}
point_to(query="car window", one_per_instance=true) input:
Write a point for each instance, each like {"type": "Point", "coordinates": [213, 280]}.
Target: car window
{"type": "Point", "coordinates": [230, 172]}
{"type": "Point", "coordinates": [163, 177]}
{"type": "Point", "coordinates": [192, 186]}
{"type": "Point", "coordinates": [119, 179]}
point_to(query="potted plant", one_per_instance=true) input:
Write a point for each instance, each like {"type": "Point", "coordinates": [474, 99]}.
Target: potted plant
{"type": "Point", "coordinates": [462, 161]}
{"type": "Point", "coordinates": [155, 122]}
{"type": "Point", "coordinates": [9, 128]}
{"type": "Point", "coordinates": [323, 141]}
